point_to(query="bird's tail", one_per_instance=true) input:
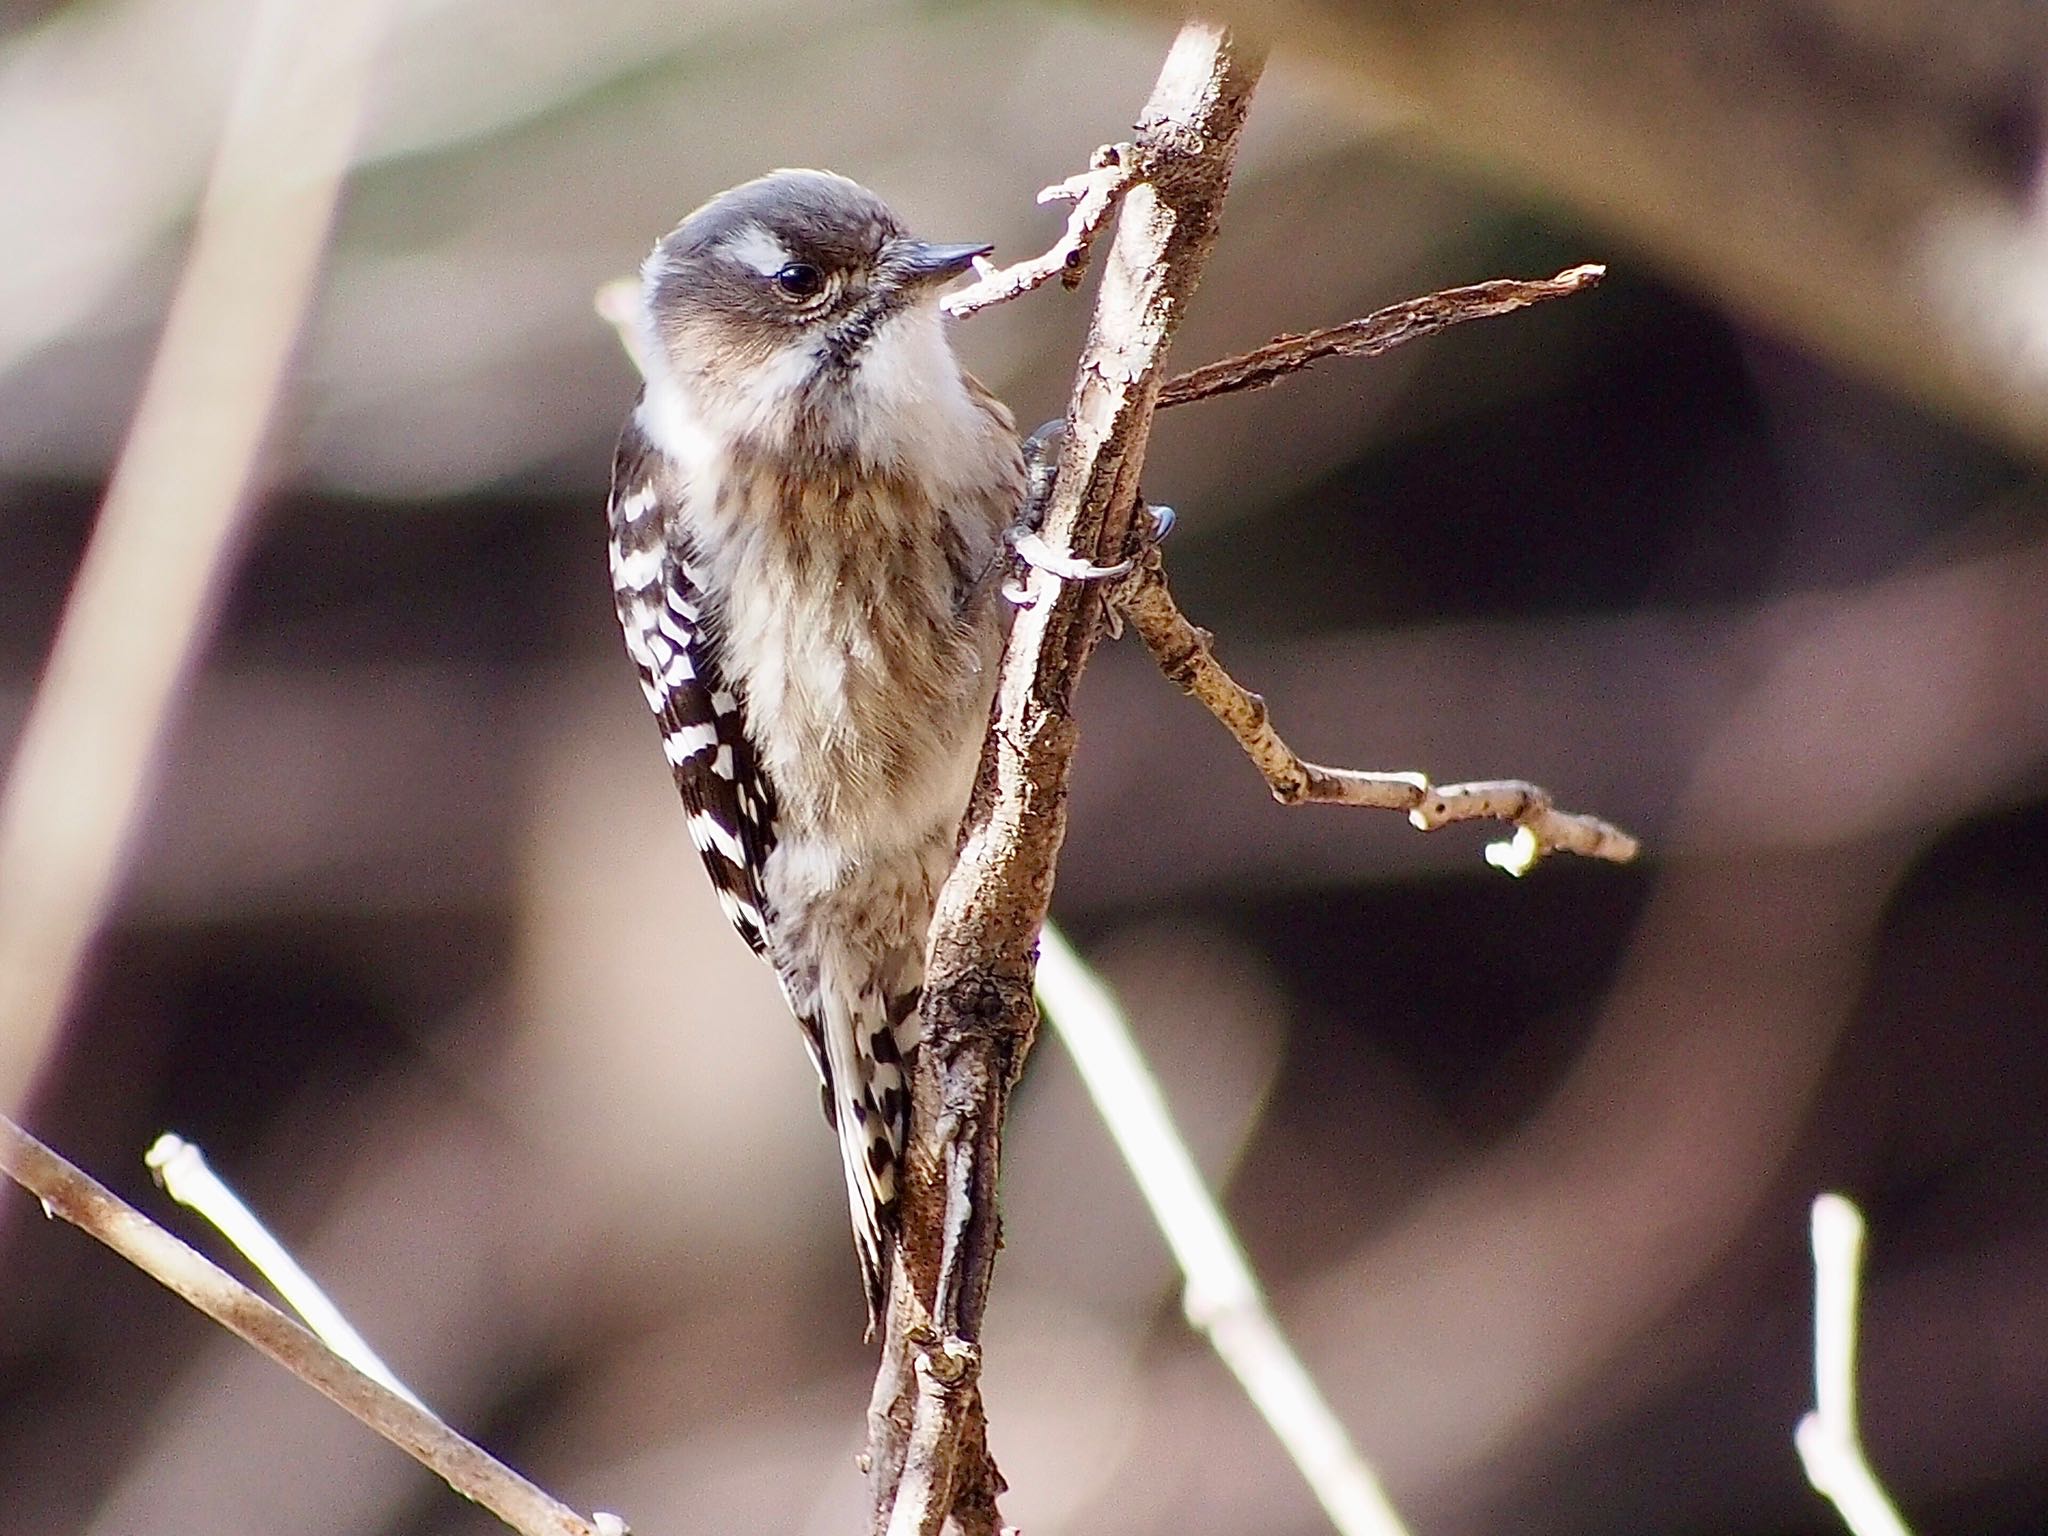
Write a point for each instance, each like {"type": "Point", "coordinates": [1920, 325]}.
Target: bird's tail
{"type": "Point", "coordinates": [863, 1039]}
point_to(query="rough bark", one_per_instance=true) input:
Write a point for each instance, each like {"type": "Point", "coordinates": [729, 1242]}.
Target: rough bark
{"type": "Point", "coordinates": [927, 1453]}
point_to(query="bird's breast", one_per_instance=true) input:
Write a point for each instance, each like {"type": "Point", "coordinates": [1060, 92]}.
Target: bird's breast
{"type": "Point", "coordinates": [852, 615]}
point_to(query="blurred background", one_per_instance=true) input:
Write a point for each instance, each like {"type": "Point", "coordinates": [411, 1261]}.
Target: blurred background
{"type": "Point", "coordinates": [1745, 549]}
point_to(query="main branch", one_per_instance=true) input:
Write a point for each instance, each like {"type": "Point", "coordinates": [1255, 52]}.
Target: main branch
{"type": "Point", "coordinates": [927, 1449]}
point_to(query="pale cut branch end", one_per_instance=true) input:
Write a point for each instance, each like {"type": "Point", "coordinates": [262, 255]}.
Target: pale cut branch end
{"type": "Point", "coordinates": [1829, 1444]}
{"type": "Point", "coordinates": [1540, 827]}
{"type": "Point", "coordinates": [1187, 656]}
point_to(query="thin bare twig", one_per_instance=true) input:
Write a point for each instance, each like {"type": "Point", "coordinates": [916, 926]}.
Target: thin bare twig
{"type": "Point", "coordinates": [1095, 194]}
{"type": "Point", "coordinates": [185, 1175]}
{"type": "Point", "coordinates": [1222, 1298]}
{"type": "Point", "coordinates": [472, 1472]}
{"type": "Point", "coordinates": [167, 531]}
{"type": "Point", "coordinates": [1380, 331]}
{"type": "Point", "coordinates": [978, 1012]}
{"type": "Point", "coordinates": [1185, 655]}
{"type": "Point", "coordinates": [1829, 1442]}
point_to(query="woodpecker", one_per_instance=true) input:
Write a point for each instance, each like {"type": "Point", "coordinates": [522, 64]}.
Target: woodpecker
{"type": "Point", "coordinates": [806, 504]}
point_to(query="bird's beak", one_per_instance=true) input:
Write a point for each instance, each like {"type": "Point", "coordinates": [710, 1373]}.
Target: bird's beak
{"type": "Point", "coordinates": [920, 261]}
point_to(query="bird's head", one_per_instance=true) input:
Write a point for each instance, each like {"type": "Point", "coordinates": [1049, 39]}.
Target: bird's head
{"type": "Point", "coordinates": [798, 301]}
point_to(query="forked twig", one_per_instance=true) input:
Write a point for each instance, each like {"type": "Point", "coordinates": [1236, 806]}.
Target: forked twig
{"type": "Point", "coordinates": [1186, 655]}
{"type": "Point", "coordinates": [1095, 194]}
{"type": "Point", "coordinates": [66, 1191]}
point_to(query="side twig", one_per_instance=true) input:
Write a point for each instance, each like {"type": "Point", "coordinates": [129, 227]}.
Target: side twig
{"type": "Point", "coordinates": [927, 1457]}
{"type": "Point", "coordinates": [183, 1173]}
{"type": "Point", "coordinates": [1222, 1298]}
{"type": "Point", "coordinates": [472, 1472]}
{"type": "Point", "coordinates": [1829, 1443]}
{"type": "Point", "coordinates": [1186, 656]}
{"type": "Point", "coordinates": [1095, 194]}
{"type": "Point", "coordinates": [1380, 331]}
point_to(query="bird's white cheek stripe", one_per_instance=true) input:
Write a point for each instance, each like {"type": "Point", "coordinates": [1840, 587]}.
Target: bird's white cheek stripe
{"type": "Point", "coordinates": [754, 245]}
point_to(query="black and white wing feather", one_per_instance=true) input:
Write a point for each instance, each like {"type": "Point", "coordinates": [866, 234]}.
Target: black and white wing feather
{"type": "Point", "coordinates": [731, 805]}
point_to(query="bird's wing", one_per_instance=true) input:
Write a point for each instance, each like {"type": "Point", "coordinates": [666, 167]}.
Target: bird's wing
{"type": "Point", "coordinates": [731, 803]}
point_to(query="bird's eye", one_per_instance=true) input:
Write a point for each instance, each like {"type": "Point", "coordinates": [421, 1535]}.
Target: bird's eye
{"type": "Point", "coordinates": [800, 280]}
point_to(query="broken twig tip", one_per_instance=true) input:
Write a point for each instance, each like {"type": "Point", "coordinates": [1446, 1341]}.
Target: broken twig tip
{"type": "Point", "coordinates": [1378, 332]}
{"type": "Point", "coordinates": [1516, 855]}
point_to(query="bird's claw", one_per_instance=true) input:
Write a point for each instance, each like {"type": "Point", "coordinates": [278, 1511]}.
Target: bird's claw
{"type": "Point", "coordinates": [1041, 459]}
{"type": "Point", "coordinates": [1032, 549]}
